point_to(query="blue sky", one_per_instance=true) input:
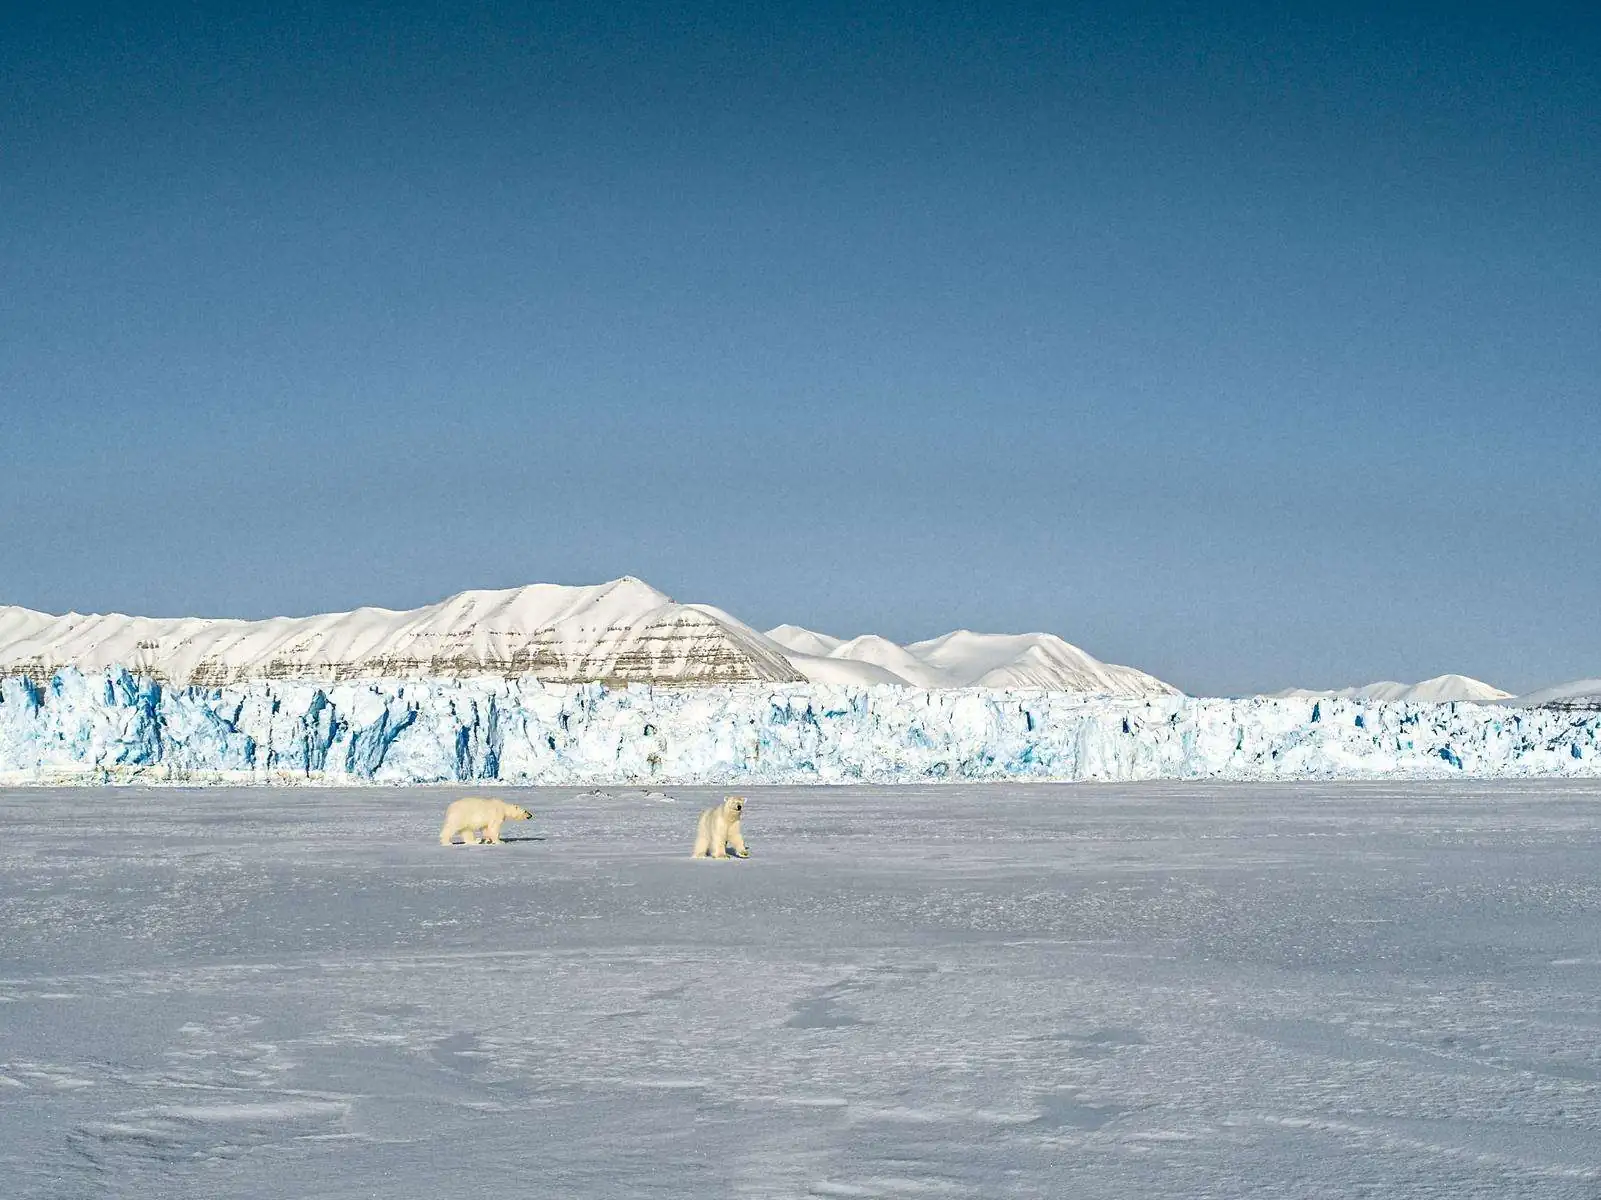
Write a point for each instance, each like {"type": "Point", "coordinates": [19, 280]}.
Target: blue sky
{"type": "Point", "coordinates": [1250, 349]}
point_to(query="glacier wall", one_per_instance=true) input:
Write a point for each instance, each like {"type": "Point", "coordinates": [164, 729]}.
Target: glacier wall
{"type": "Point", "coordinates": [114, 726]}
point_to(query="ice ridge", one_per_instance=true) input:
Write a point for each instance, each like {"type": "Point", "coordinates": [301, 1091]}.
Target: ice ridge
{"type": "Point", "coordinates": [115, 726]}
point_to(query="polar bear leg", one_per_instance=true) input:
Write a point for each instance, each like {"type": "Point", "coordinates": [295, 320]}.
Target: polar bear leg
{"type": "Point", "coordinates": [737, 840]}
{"type": "Point", "coordinates": [492, 830]}
{"type": "Point", "coordinates": [447, 834]}
{"type": "Point", "coordinates": [703, 838]}
{"type": "Point", "coordinates": [719, 840]}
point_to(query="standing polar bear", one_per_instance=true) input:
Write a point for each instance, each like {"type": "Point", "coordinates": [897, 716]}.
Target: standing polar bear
{"type": "Point", "coordinates": [474, 814]}
{"type": "Point", "coordinates": [719, 829]}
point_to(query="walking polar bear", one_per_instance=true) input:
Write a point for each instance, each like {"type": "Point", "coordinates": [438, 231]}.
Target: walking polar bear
{"type": "Point", "coordinates": [474, 814]}
{"type": "Point", "coordinates": [719, 829]}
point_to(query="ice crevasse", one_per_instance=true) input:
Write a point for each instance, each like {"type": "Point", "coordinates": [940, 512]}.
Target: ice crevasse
{"type": "Point", "coordinates": [114, 726]}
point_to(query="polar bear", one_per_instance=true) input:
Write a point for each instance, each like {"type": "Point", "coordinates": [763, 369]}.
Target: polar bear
{"type": "Point", "coordinates": [472, 814]}
{"type": "Point", "coordinates": [719, 829]}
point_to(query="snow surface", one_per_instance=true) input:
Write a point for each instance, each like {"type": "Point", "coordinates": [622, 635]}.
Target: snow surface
{"type": "Point", "coordinates": [1006, 991]}
{"type": "Point", "coordinates": [1442, 689]}
{"type": "Point", "coordinates": [114, 727]}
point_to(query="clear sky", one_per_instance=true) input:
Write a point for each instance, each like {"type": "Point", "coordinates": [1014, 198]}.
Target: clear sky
{"type": "Point", "coordinates": [1253, 348]}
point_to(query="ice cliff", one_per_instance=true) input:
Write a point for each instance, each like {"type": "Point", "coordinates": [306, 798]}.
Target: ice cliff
{"type": "Point", "coordinates": [114, 726]}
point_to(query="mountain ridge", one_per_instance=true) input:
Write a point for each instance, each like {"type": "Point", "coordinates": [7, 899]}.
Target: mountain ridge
{"type": "Point", "coordinates": [963, 658]}
{"type": "Point", "coordinates": [621, 631]}
{"type": "Point", "coordinates": [1442, 689]}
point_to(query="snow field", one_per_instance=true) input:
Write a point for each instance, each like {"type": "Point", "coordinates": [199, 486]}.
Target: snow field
{"type": "Point", "coordinates": [997, 991]}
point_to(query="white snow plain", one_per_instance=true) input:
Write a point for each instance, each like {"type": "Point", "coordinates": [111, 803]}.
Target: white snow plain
{"type": "Point", "coordinates": [1002, 991]}
{"type": "Point", "coordinates": [114, 727]}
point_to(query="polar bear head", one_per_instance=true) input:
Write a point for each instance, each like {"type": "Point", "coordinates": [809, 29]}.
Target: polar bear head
{"type": "Point", "coordinates": [513, 813]}
{"type": "Point", "coordinates": [733, 807]}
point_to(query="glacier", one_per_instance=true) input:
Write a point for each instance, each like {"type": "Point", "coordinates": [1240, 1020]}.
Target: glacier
{"type": "Point", "coordinates": [114, 726]}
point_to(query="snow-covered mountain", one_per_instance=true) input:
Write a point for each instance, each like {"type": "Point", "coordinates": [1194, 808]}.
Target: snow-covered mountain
{"type": "Point", "coordinates": [847, 671]}
{"type": "Point", "coordinates": [963, 659]}
{"type": "Point", "coordinates": [1582, 694]}
{"type": "Point", "coordinates": [623, 631]}
{"type": "Point", "coordinates": [897, 660]}
{"type": "Point", "coordinates": [617, 632]}
{"type": "Point", "coordinates": [992, 660]}
{"type": "Point", "coordinates": [814, 656]}
{"type": "Point", "coordinates": [1442, 689]}
{"type": "Point", "coordinates": [804, 641]}
{"type": "Point", "coordinates": [620, 631]}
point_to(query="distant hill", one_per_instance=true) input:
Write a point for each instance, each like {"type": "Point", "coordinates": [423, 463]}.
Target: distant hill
{"type": "Point", "coordinates": [964, 659]}
{"type": "Point", "coordinates": [1442, 689]}
{"type": "Point", "coordinates": [804, 641]}
{"type": "Point", "coordinates": [1579, 694]}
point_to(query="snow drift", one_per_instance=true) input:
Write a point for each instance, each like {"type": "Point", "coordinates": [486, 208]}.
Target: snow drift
{"type": "Point", "coordinates": [115, 726]}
